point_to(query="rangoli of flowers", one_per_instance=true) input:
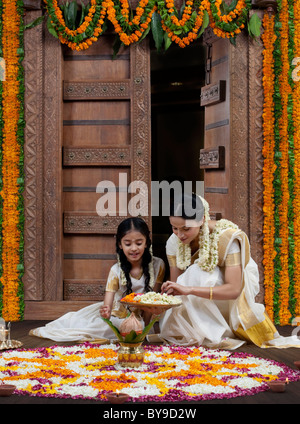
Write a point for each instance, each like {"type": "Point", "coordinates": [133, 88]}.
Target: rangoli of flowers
{"type": "Point", "coordinates": [169, 373]}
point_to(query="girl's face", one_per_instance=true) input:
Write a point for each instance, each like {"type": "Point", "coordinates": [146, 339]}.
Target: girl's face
{"type": "Point", "coordinates": [133, 245]}
{"type": "Point", "coordinates": [185, 229]}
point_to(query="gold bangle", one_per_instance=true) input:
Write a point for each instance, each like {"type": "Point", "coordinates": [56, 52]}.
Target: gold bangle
{"type": "Point", "coordinates": [211, 293]}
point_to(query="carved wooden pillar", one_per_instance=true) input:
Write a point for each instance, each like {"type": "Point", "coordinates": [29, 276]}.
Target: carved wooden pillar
{"type": "Point", "coordinates": [42, 154]}
{"type": "Point", "coordinates": [33, 154]}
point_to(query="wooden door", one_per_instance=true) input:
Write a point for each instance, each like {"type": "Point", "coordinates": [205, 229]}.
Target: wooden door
{"type": "Point", "coordinates": [106, 141]}
{"type": "Point", "coordinates": [96, 128]}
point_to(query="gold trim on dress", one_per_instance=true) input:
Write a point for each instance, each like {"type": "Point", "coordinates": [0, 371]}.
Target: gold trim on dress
{"type": "Point", "coordinates": [233, 259]}
{"type": "Point", "coordinates": [259, 333]}
{"type": "Point", "coordinates": [172, 260]}
{"type": "Point", "coordinates": [225, 238]}
{"type": "Point", "coordinates": [161, 274]}
{"type": "Point", "coordinates": [112, 284]}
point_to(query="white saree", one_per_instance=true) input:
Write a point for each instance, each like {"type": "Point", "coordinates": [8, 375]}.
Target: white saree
{"type": "Point", "coordinates": [87, 324]}
{"type": "Point", "coordinates": [222, 324]}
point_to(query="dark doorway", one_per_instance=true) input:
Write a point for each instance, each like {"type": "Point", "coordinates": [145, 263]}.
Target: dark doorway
{"type": "Point", "coordinates": [177, 76]}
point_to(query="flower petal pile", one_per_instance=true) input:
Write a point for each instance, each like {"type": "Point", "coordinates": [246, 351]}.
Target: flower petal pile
{"type": "Point", "coordinates": [169, 373]}
{"type": "Point", "coordinates": [152, 298]}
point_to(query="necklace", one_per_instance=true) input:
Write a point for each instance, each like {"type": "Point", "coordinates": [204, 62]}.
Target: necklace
{"type": "Point", "coordinates": [138, 276]}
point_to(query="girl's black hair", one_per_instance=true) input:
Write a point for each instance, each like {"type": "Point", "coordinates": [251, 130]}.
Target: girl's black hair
{"type": "Point", "coordinates": [187, 206]}
{"type": "Point", "coordinates": [137, 224]}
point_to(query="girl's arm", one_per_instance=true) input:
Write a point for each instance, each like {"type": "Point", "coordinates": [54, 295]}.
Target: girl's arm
{"type": "Point", "coordinates": [106, 308]}
{"type": "Point", "coordinates": [231, 288]}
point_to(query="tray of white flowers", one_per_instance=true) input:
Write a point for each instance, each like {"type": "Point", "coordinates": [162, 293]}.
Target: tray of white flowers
{"type": "Point", "coordinates": [151, 300]}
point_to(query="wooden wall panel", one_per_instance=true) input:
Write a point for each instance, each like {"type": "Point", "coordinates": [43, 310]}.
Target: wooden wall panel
{"type": "Point", "coordinates": [242, 138]}
{"type": "Point", "coordinates": [217, 132]}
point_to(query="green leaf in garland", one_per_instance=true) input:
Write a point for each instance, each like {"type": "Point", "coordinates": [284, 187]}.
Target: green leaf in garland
{"type": "Point", "coordinates": [157, 31]}
{"type": "Point", "coordinates": [205, 23]}
{"type": "Point", "coordinates": [181, 10]}
{"type": "Point", "coordinates": [72, 14]}
{"type": "Point", "coordinates": [145, 33]}
{"type": "Point", "coordinates": [51, 28]}
{"type": "Point", "coordinates": [82, 13]}
{"type": "Point", "coordinates": [232, 41]}
{"type": "Point", "coordinates": [254, 26]}
{"type": "Point", "coordinates": [232, 5]}
{"type": "Point", "coordinates": [35, 23]}
{"type": "Point", "coordinates": [116, 46]}
{"type": "Point", "coordinates": [167, 41]}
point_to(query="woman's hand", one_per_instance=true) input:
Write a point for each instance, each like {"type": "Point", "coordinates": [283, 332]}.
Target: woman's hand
{"type": "Point", "coordinates": [169, 287]}
{"type": "Point", "coordinates": [105, 311]}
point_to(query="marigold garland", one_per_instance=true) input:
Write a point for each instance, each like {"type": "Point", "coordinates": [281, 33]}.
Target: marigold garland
{"type": "Point", "coordinates": [283, 207]}
{"type": "Point", "coordinates": [182, 30]}
{"type": "Point", "coordinates": [281, 171]}
{"type": "Point", "coordinates": [231, 24]}
{"type": "Point", "coordinates": [296, 200]}
{"type": "Point", "coordinates": [12, 123]}
{"type": "Point", "coordinates": [268, 38]}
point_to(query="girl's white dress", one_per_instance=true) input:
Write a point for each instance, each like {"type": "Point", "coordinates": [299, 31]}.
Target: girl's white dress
{"type": "Point", "coordinates": [87, 324]}
{"type": "Point", "coordinates": [223, 324]}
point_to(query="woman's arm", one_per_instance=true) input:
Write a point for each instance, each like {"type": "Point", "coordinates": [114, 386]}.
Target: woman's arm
{"type": "Point", "coordinates": [174, 273]}
{"type": "Point", "coordinates": [231, 288]}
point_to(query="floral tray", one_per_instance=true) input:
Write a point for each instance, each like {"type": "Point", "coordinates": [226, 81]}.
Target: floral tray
{"type": "Point", "coordinates": [150, 305]}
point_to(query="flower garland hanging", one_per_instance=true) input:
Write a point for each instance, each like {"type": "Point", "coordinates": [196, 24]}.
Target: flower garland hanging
{"type": "Point", "coordinates": [296, 199]}
{"type": "Point", "coordinates": [230, 24]}
{"type": "Point", "coordinates": [131, 31]}
{"type": "Point", "coordinates": [283, 206]}
{"type": "Point", "coordinates": [1, 138]}
{"type": "Point", "coordinates": [183, 30]}
{"type": "Point", "coordinates": [281, 172]}
{"type": "Point", "coordinates": [87, 33]}
{"type": "Point", "coordinates": [12, 124]}
{"type": "Point", "coordinates": [268, 38]}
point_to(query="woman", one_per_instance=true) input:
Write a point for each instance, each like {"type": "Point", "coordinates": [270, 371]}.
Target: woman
{"type": "Point", "coordinates": [218, 281]}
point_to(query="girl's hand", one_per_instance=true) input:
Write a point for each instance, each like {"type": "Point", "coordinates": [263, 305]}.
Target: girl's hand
{"type": "Point", "coordinates": [105, 311]}
{"type": "Point", "coordinates": [169, 287]}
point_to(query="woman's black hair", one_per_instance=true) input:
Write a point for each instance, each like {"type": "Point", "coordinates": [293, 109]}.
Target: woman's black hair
{"type": "Point", "coordinates": [187, 206]}
{"type": "Point", "coordinates": [137, 224]}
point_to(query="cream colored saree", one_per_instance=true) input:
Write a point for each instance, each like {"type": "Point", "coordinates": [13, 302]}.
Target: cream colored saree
{"type": "Point", "coordinates": [223, 324]}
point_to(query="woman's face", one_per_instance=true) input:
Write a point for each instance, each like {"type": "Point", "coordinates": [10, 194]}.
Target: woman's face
{"type": "Point", "coordinates": [185, 229]}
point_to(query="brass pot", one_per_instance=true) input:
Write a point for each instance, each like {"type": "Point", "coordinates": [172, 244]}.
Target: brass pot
{"type": "Point", "coordinates": [131, 355]}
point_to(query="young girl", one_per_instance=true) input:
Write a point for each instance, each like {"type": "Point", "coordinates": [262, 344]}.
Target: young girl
{"type": "Point", "coordinates": [136, 271]}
